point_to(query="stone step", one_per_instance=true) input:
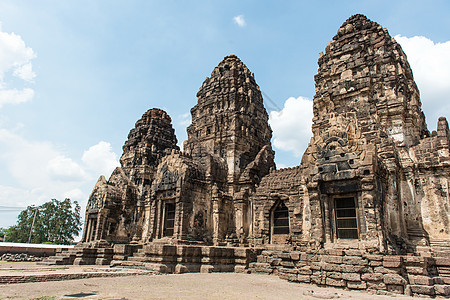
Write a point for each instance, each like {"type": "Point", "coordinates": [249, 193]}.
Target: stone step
{"type": "Point", "coordinates": [139, 254]}
{"type": "Point", "coordinates": [441, 249]}
{"type": "Point", "coordinates": [48, 262]}
{"type": "Point", "coordinates": [126, 263]}
{"type": "Point", "coordinates": [441, 254]}
{"type": "Point", "coordinates": [443, 271]}
{"type": "Point", "coordinates": [276, 247]}
{"type": "Point", "coordinates": [152, 259]}
{"type": "Point", "coordinates": [155, 267]}
{"type": "Point", "coordinates": [256, 267]}
{"type": "Point", "coordinates": [438, 241]}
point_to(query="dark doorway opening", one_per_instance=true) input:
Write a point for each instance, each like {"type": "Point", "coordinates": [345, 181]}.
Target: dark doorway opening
{"type": "Point", "coordinates": [169, 219]}
{"type": "Point", "coordinates": [346, 220]}
{"type": "Point", "coordinates": [281, 219]}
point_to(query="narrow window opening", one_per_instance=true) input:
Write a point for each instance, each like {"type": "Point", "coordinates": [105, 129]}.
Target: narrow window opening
{"type": "Point", "coordinates": [281, 219]}
{"type": "Point", "coordinates": [346, 223]}
{"type": "Point", "coordinates": [112, 227]}
{"type": "Point", "coordinates": [169, 219]}
{"type": "Point", "coordinates": [94, 230]}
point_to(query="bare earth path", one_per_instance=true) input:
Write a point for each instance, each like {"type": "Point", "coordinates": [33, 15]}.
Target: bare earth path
{"type": "Point", "coordinates": [181, 286]}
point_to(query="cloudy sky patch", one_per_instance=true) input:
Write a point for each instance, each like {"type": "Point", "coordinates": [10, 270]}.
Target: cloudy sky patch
{"type": "Point", "coordinates": [430, 62]}
{"type": "Point", "coordinates": [240, 21]}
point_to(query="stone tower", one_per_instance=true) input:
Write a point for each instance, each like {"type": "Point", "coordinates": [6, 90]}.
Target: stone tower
{"type": "Point", "coordinates": [229, 120]}
{"type": "Point", "coordinates": [364, 73]}
{"type": "Point", "coordinates": [152, 138]}
{"type": "Point", "coordinates": [367, 114]}
{"type": "Point", "coordinates": [115, 209]}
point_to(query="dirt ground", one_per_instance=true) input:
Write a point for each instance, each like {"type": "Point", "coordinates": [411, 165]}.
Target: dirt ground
{"type": "Point", "coordinates": [174, 286]}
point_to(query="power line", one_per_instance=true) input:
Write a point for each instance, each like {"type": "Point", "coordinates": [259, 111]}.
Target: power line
{"type": "Point", "coordinates": [270, 100]}
{"type": "Point", "coordinates": [11, 209]}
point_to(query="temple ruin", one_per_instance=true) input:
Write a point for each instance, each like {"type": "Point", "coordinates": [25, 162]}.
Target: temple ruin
{"type": "Point", "coordinates": [367, 208]}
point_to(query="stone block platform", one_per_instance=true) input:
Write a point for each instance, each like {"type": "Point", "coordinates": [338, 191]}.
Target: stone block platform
{"type": "Point", "coordinates": [23, 272]}
{"type": "Point", "coordinates": [188, 258]}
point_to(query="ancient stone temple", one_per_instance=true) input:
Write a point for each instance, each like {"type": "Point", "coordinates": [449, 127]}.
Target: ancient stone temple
{"type": "Point", "coordinates": [367, 208]}
{"type": "Point", "coordinates": [202, 194]}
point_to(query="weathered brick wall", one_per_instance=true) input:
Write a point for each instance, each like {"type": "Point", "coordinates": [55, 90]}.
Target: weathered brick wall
{"type": "Point", "coordinates": [287, 186]}
{"type": "Point", "coordinates": [358, 270]}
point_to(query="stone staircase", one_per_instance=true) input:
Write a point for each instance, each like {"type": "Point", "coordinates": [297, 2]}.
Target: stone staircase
{"type": "Point", "coordinates": [441, 254]}
{"type": "Point", "coordinates": [189, 259]}
{"type": "Point", "coordinates": [81, 255]}
{"type": "Point", "coordinates": [441, 248]}
{"type": "Point", "coordinates": [61, 257]}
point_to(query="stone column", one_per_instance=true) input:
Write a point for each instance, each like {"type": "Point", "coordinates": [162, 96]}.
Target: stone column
{"type": "Point", "coordinates": [317, 232]}
{"type": "Point", "coordinates": [158, 219]}
{"type": "Point", "coordinates": [328, 215]}
{"type": "Point", "coordinates": [146, 222]}
{"type": "Point", "coordinates": [87, 230]}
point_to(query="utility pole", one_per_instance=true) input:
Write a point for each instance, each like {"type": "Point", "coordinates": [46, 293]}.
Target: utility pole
{"type": "Point", "coordinates": [32, 224]}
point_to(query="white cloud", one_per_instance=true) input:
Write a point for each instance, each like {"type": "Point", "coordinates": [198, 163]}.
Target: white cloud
{"type": "Point", "coordinates": [100, 159]}
{"type": "Point", "coordinates": [292, 125]}
{"type": "Point", "coordinates": [240, 21]}
{"type": "Point", "coordinates": [14, 96]}
{"type": "Point", "coordinates": [38, 171]}
{"type": "Point", "coordinates": [14, 197]}
{"type": "Point", "coordinates": [430, 63]}
{"type": "Point", "coordinates": [185, 119]}
{"type": "Point", "coordinates": [62, 168]}
{"type": "Point", "coordinates": [25, 72]}
{"type": "Point", "coordinates": [75, 194]}
{"type": "Point", "coordinates": [16, 200]}
{"type": "Point", "coordinates": [15, 58]}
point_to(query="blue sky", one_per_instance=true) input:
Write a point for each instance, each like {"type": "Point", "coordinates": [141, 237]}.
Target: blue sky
{"type": "Point", "coordinates": [76, 75]}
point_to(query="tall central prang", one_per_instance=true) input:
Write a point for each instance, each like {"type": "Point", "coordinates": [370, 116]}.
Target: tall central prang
{"type": "Point", "coordinates": [229, 119]}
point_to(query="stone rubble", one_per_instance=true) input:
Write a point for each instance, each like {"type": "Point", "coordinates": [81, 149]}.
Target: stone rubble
{"type": "Point", "coordinates": [18, 257]}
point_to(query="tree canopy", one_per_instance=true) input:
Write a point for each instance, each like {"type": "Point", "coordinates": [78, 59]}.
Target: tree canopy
{"type": "Point", "coordinates": [56, 222]}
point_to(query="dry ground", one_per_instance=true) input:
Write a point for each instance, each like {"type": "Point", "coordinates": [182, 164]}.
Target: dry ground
{"type": "Point", "coordinates": [181, 286]}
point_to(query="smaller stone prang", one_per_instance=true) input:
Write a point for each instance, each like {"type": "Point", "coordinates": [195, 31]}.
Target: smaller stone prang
{"type": "Point", "coordinates": [152, 138]}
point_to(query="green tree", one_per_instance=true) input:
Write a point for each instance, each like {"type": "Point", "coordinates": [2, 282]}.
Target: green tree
{"type": "Point", "coordinates": [55, 222]}
{"type": "Point", "coordinates": [3, 233]}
